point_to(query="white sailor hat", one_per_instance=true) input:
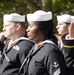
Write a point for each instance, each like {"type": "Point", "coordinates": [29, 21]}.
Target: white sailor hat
{"type": "Point", "coordinates": [14, 17]}
{"type": "Point", "coordinates": [65, 18]}
{"type": "Point", "coordinates": [72, 17]}
{"type": "Point", "coordinates": [39, 15]}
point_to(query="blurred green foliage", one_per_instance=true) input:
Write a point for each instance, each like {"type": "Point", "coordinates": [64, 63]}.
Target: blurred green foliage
{"type": "Point", "coordinates": [26, 6]}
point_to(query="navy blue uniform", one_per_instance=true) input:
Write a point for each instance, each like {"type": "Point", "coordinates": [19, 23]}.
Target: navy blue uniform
{"type": "Point", "coordinates": [14, 56]}
{"type": "Point", "coordinates": [68, 52]}
{"type": "Point", "coordinates": [45, 60]}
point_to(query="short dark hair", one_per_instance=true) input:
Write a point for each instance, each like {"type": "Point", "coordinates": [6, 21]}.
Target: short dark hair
{"type": "Point", "coordinates": [46, 27]}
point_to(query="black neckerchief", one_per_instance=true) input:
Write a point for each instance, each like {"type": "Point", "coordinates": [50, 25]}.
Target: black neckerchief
{"type": "Point", "coordinates": [31, 54]}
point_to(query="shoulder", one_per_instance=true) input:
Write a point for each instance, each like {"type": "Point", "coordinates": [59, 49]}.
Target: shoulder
{"type": "Point", "coordinates": [52, 53]}
{"type": "Point", "coordinates": [50, 46]}
{"type": "Point", "coordinates": [25, 45]}
{"type": "Point", "coordinates": [25, 42]}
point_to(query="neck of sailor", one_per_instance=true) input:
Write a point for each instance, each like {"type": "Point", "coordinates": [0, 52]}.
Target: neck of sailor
{"type": "Point", "coordinates": [39, 39]}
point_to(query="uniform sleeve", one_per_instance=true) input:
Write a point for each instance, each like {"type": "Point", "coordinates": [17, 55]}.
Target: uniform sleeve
{"type": "Point", "coordinates": [55, 64]}
{"type": "Point", "coordinates": [24, 50]}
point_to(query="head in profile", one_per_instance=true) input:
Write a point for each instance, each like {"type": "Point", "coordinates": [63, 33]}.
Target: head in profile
{"type": "Point", "coordinates": [40, 25]}
{"type": "Point", "coordinates": [14, 25]}
{"type": "Point", "coordinates": [63, 22]}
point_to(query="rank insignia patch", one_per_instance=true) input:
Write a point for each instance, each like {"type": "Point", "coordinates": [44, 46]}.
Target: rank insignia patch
{"type": "Point", "coordinates": [57, 72]}
{"type": "Point", "coordinates": [16, 47]}
{"type": "Point", "coordinates": [55, 64]}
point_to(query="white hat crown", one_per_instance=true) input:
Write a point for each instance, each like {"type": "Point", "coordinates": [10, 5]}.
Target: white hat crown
{"type": "Point", "coordinates": [39, 15]}
{"type": "Point", "coordinates": [39, 12]}
{"type": "Point", "coordinates": [72, 17]}
{"type": "Point", "coordinates": [65, 18]}
{"type": "Point", "coordinates": [14, 17]}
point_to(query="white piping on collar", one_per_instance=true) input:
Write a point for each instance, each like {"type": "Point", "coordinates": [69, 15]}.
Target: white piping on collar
{"type": "Point", "coordinates": [49, 41]}
{"type": "Point", "coordinates": [22, 38]}
{"type": "Point", "coordinates": [67, 37]}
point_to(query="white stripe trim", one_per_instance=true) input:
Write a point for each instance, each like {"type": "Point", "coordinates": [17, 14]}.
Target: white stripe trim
{"type": "Point", "coordinates": [57, 72]}
{"type": "Point", "coordinates": [49, 41]}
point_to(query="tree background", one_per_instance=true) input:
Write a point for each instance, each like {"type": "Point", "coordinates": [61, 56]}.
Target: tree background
{"type": "Point", "coordinates": [22, 7]}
